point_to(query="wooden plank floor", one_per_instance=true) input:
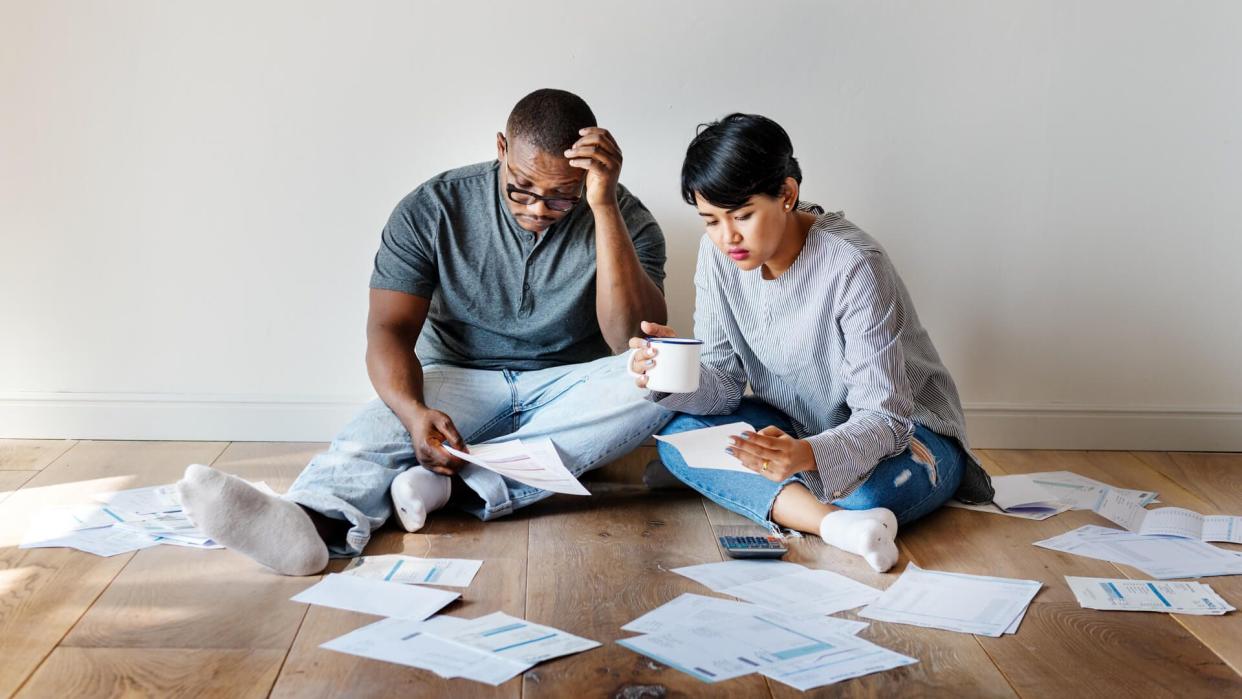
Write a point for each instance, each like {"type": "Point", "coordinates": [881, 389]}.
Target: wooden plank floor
{"type": "Point", "coordinates": [175, 622]}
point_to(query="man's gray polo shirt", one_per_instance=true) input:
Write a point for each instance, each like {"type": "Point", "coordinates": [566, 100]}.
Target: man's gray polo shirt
{"type": "Point", "coordinates": [500, 299]}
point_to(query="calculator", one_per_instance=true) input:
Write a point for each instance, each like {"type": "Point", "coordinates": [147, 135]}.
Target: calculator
{"type": "Point", "coordinates": [753, 546]}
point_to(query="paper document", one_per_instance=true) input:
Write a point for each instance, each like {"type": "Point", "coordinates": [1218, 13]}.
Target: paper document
{"type": "Point", "coordinates": [1082, 492]}
{"type": "Point", "coordinates": [376, 597]}
{"type": "Point", "coordinates": [783, 586]}
{"type": "Point", "coordinates": [535, 463]}
{"type": "Point", "coordinates": [1168, 521]}
{"type": "Point", "coordinates": [491, 649]}
{"type": "Point", "coordinates": [452, 572]}
{"type": "Point", "coordinates": [518, 639]}
{"type": "Point", "coordinates": [209, 544]}
{"type": "Point", "coordinates": [151, 500]}
{"type": "Point", "coordinates": [62, 521]}
{"type": "Point", "coordinates": [725, 574]}
{"type": "Point", "coordinates": [1147, 596]}
{"type": "Point", "coordinates": [412, 643]}
{"type": "Point", "coordinates": [808, 592]}
{"type": "Point", "coordinates": [1161, 557]}
{"type": "Point", "coordinates": [834, 665]}
{"type": "Point", "coordinates": [736, 647]}
{"type": "Point", "coordinates": [101, 541]}
{"type": "Point", "coordinates": [1021, 493]}
{"type": "Point", "coordinates": [713, 653]}
{"type": "Point", "coordinates": [975, 604]}
{"type": "Point", "coordinates": [126, 521]}
{"type": "Point", "coordinates": [85, 528]}
{"type": "Point", "coordinates": [705, 448]}
{"type": "Point", "coordinates": [170, 525]}
{"type": "Point", "coordinates": [692, 610]}
{"type": "Point", "coordinates": [1018, 496]}
{"type": "Point", "coordinates": [1038, 515]}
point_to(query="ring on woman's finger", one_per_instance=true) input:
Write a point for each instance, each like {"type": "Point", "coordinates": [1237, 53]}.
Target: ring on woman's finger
{"type": "Point", "coordinates": [765, 466]}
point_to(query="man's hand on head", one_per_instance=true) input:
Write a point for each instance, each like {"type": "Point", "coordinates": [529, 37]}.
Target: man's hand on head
{"type": "Point", "coordinates": [597, 152]}
{"type": "Point", "coordinates": [429, 430]}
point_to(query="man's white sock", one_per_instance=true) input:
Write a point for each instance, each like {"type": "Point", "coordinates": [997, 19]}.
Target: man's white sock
{"type": "Point", "coordinates": [417, 493]}
{"type": "Point", "coordinates": [868, 533]}
{"type": "Point", "coordinates": [273, 531]}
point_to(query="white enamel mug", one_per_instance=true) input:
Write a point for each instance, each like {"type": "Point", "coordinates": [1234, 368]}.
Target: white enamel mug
{"type": "Point", "coordinates": [676, 367]}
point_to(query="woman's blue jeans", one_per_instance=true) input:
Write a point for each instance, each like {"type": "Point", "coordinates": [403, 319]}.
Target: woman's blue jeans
{"type": "Point", "coordinates": [902, 483]}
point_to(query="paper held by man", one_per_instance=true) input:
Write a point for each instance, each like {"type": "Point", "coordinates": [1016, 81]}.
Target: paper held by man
{"type": "Point", "coordinates": [535, 463]}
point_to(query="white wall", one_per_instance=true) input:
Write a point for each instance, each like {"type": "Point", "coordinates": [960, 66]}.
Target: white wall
{"type": "Point", "coordinates": [191, 193]}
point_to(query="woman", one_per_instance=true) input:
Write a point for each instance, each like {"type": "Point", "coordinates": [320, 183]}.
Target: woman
{"type": "Point", "coordinates": [862, 429]}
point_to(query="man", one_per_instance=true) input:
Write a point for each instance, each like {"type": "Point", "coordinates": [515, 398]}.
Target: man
{"type": "Point", "coordinates": [500, 293]}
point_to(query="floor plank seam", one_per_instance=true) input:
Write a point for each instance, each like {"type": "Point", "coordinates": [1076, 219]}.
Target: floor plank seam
{"type": "Point", "coordinates": [87, 608]}
{"type": "Point", "coordinates": [1167, 484]}
{"type": "Point", "coordinates": [1179, 619]}
{"type": "Point", "coordinates": [525, 602]}
{"type": "Point", "coordinates": [289, 650]}
{"type": "Point", "coordinates": [720, 554]}
{"type": "Point", "coordinates": [223, 449]}
{"type": "Point", "coordinates": [979, 642]}
{"type": "Point", "coordinates": [53, 462]}
{"type": "Point", "coordinates": [37, 666]}
{"type": "Point", "coordinates": [19, 486]}
{"type": "Point", "coordinates": [1012, 687]}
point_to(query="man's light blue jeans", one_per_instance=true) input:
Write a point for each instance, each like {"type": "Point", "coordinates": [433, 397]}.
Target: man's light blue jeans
{"type": "Point", "coordinates": [593, 413]}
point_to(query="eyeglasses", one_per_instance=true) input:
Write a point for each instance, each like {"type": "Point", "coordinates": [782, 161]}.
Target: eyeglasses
{"type": "Point", "coordinates": [525, 198]}
{"type": "Point", "coordinates": [521, 196]}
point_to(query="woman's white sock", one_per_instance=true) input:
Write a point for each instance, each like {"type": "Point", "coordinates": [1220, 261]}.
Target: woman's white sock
{"type": "Point", "coordinates": [417, 493]}
{"type": "Point", "coordinates": [868, 533]}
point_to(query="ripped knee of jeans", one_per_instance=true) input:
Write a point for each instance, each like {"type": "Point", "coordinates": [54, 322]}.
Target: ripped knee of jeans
{"type": "Point", "coordinates": [924, 456]}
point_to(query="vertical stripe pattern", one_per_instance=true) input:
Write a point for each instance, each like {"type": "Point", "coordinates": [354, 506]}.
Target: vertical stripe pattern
{"type": "Point", "coordinates": [834, 343]}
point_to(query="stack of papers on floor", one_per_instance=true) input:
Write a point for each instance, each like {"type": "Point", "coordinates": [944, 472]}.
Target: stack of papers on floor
{"type": "Point", "coordinates": [157, 499]}
{"type": "Point", "coordinates": [172, 528]}
{"type": "Point", "coordinates": [975, 604]}
{"type": "Point", "coordinates": [87, 528]}
{"type": "Point", "coordinates": [1018, 496]}
{"type": "Point", "coordinates": [1039, 496]}
{"type": "Point", "coordinates": [1168, 521]}
{"type": "Point", "coordinates": [1161, 557]}
{"type": "Point", "coordinates": [1117, 594]}
{"type": "Point", "coordinates": [714, 640]}
{"type": "Point", "coordinates": [699, 610]}
{"type": "Point", "coordinates": [126, 520]}
{"type": "Point", "coordinates": [1082, 493]}
{"type": "Point", "coordinates": [782, 586]}
{"type": "Point", "coordinates": [491, 649]}
{"type": "Point", "coordinates": [535, 463]}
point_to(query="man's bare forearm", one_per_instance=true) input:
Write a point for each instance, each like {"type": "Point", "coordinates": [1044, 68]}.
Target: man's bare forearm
{"type": "Point", "coordinates": [624, 294]}
{"type": "Point", "coordinates": [395, 372]}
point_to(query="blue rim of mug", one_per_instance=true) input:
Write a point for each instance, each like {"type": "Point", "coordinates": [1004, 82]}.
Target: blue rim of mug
{"type": "Point", "coordinates": [674, 340]}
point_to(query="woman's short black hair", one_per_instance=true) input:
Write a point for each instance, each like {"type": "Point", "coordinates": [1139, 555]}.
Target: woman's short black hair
{"type": "Point", "coordinates": [733, 159]}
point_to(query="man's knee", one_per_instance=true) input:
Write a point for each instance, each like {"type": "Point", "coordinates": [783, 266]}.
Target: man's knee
{"type": "Point", "coordinates": [374, 424]}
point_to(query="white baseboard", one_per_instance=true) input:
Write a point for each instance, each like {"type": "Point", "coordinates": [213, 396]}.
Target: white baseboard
{"type": "Point", "coordinates": [318, 418]}
{"type": "Point", "coordinates": [1014, 426]}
